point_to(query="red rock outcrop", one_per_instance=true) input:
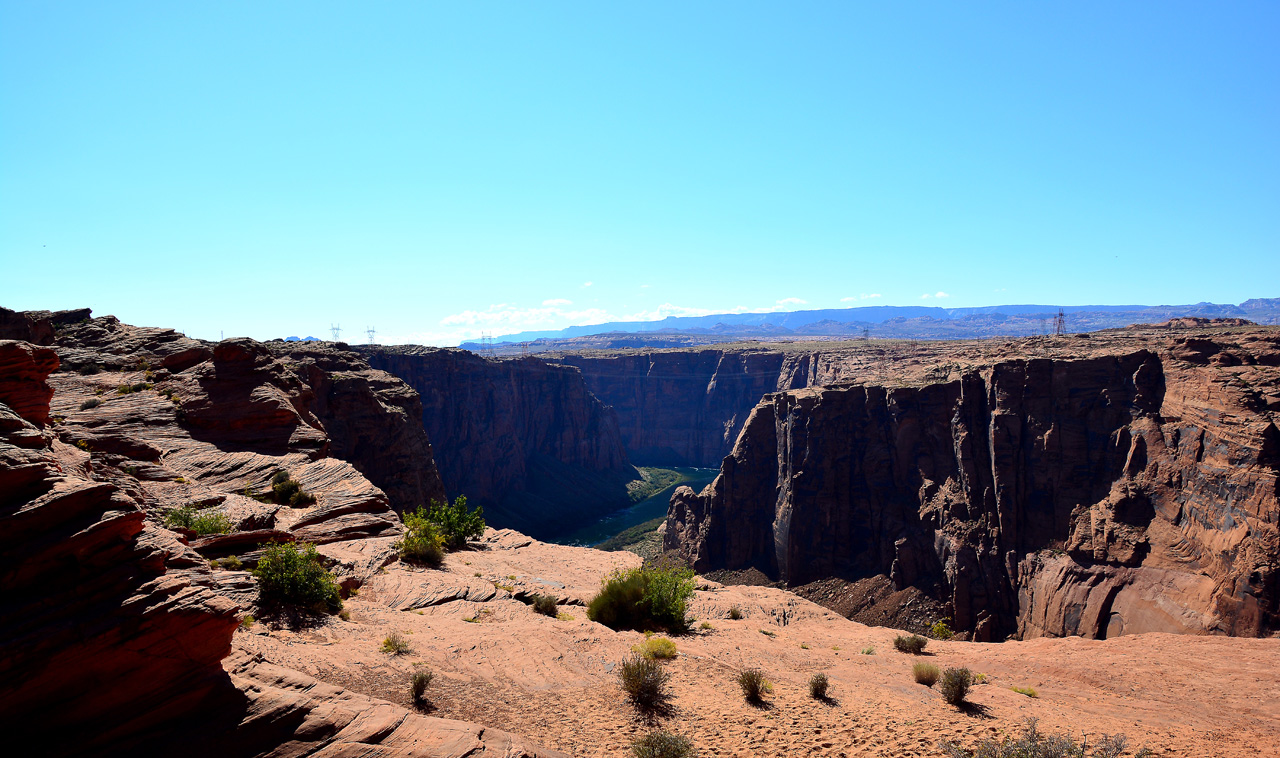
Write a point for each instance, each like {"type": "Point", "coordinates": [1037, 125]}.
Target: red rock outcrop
{"type": "Point", "coordinates": [521, 437]}
{"type": "Point", "coordinates": [1131, 490]}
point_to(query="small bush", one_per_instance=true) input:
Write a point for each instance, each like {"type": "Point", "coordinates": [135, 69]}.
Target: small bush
{"type": "Point", "coordinates": [201, 522]}
{"type": "Point", "coordinates": [90, 369]}
{"type": "Point", "coordinates": [868, 650]}
{"type": "Point", "coordinates": [644, 599]}
{"type": "Point", "coordinates": [92, 402]}
{"type": "Point", "coordinates": [662, 744]}
{"type": "Point", "coordinates": [1034, 743]}
{"type": "Point", "coordinates": [1028, 691]}
{"type": "Point", "coordinates": [455, 523]}
{"type": "Point", "coordinates": [286, 491]}
{"type": "Point", "coordinates": [818, 684]}
{"type": "Point", "coordinates": [706, 626]}
{"type": "Point", "coordinates": [546, 605]}
{"type": "Point", "coordinates": [422, 541]}
{"type": "Point", "coordinates": [421, 680]}
{"type": "Point", "coordinates": [232, 563]}
{"type": "Point", "coordinates": [913, 644]}
{"type": "Point", "coordinates": [129, 389]}
{"type": "Point", "coordinates": [767, 633]}
{"type": "Point", "coordinates": [645, 682]}
{"type": "Point", "coordinates": [754, 684]}
{"type": "Point", "coordinates": [656, 647]}
{"type": "Point", "coordinates": [735, 613]}
{"type": "Point", "coordinates": [247, 622]}
{"type": "Point", "coordinates": [955, 685]}
{"type": "Point", "coordinates": [395, 644]}
{"type": "Point", "coordinates": [940, 630]}
{"type": "Point", "coordinates": [925, 673]}
{"type": "Point", "coordinates": [294, 574]}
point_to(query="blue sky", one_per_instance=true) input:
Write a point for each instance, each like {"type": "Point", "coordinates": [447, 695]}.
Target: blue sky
{"type": "Point", "coordinates": [435, 170]}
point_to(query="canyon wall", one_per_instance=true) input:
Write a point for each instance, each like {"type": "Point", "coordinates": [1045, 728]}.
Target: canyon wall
{"type": "Point", "coordinates": [523, 438]}
{"type": "Point", "coordinates": [1130, 490]}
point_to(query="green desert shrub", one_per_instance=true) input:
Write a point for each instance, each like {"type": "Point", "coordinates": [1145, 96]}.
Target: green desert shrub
{"type": "Point", "coordinates": [955, 685]}
{"type": "Point", "coordinates": [201, 522]}
{"type": "Point", "coordinates": [913, 644]}
{"type": "Point", "coordinates": [419, 683]}
{"type": "Point", "coordinates": [286, 490]}
{"type": "Point", "coordinates": [735, 613]}
{"type": "Point", "coordinates": [1033, 743]}
{"type": "Point", "coordinates": [941, 630]}
{"type": "Point", "coordinates": [232, 563]}
{"type": "Point", "coordinates": [92, 402]}
{"type": "Point", "coordinates": [546, 605]}
{"type": "Point", "coordinates": [422, 541]}
{"type": "Point", "coordinates": [294, 574]}
{"type": "Point", "coordinates": [1028, 691]}
{"type": "Point", "coordinates": [645, 682]}
{"type": "Point", "coordinates": [395, 644]}
{"type": "Point", "coordinates": [649, 598]}
{"type": "Point", "coordinates": [754, 684]}
{"type": "Point", "coordinates": [926, 674]}
{"type": "Point", "coordinates": [818, 685]}
{"type": "Point", "coordinates": [656, 647]}
{"type": "Point", "coordinates": [661, 744]}
{"type": "Point", "coordinates": [456, 523]}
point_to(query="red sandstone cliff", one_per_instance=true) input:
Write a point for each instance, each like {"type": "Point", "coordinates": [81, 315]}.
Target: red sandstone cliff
{"type": "Point", "coordinates": [1132, 490]}
{"type": "Point", "coordinates": [523, 438]}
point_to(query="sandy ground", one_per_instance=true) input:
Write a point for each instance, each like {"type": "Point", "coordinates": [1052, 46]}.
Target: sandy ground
{"type": "Point", "coordinates": [553, 680]}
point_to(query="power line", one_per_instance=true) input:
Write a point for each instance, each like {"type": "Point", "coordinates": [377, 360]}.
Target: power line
{"type": "Point", "coordinates": [370, 331]}
{"type": "Point", "coordinates": [335, 330]}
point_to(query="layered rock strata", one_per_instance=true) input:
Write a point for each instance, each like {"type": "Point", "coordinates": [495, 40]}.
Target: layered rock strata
{"type": "Point", "coordinates": [523, 438]}
{"type": "Point", "coordinates": [1128, 491]}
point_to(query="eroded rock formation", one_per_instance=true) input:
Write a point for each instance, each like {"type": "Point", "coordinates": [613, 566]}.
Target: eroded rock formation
{"type": "Point", "coordinates": [1131, 490]}
{"type": "Point", "coordinates": [521, 437]}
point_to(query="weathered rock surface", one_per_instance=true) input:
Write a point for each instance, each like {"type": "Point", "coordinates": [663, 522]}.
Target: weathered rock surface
{"type": "Point", "coordinates": [1150, 467]}
{"type": "Point", "coordinates": [523, 438]}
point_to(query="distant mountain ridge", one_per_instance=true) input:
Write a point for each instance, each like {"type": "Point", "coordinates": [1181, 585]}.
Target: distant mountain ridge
{"type": "Point", "coordinates": [908, 321]}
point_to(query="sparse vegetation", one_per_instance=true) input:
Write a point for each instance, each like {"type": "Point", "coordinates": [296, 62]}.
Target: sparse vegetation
{"type": "Point", "coordinates": [754, 684]}
{"type": "Point", "coordinates": [645, 682]}
{"type": "Point", "coordinates": [767, 633]}
{"type": "Point", "coordinates": [564, 616]}
{"type": "Point", "coordinates": [1034, 744]}
{"type": "Point", "coordinates": [92, 402]}
{"type": "Point", "coordinates": [129, 389]}
{"type": "Point", "coordinates": [645, 599]}
{"type": "Point", "coordinates": [662, 744]}
{"type": "Point", "coordinates": [395, 644]}
{"type": "Point", "coordinates": [818, 684]}
{"type": "Point", "coordinates": [913, 644]}
{"type": "Point", "coordinates": [869, 650]}
{"type": "Point", "coordinates": [232, 563]}
{"type": "Point", "coordinates": [926, 674]}
{"type": "Point", "coordinates": [1028, 691]}
{"type": "Point", "coordinates": [804, 645]}
{"type": "Point", "coordinates": [247, 622]}
{"type": "Point", "coordinates": [735, 613]}
{"type": "Point", "coordinates": [706, 626]}
{"type": "Point", "coordinates": [546, 605]}
{"type": "Point", "coordinates": [422, 541]}
{"type": "Point", "coordinates": [419, 683]}
{"type": "Point", "coordinates": [294, 574]}
{"type": "Point", "coordinates": [455, 523]}
{"type": "Point", "coordinates": [656, 647]}
{"type": "Point", "coordinates": [201, 522]}
{"type": "Point", "coordinates": [940, 630]}
{"type": "Point", "coordinates": [286, 490]}
{"type": "Point", "coordinates": [955, 685]}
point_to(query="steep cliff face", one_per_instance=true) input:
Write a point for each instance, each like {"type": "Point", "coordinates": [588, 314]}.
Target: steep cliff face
{"type": "Point", "coordinates": [1124, 492]}
{"type": "Point", "coordinates": [521, 437]}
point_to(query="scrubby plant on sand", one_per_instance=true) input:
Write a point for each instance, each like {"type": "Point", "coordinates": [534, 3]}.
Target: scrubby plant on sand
{"type": "Point", "coordinates": [649, 598]}
{"type": "Point", "coordinates": [645, 682]}
{"type": "Point", "coordinates": [422, 541]}
{"type": "Point", "coordinates": [455, 522]}
{"type": "Point", "coordinates": [926, 674]}
{"type": "Point", "coordinates": [285, 490]}
{"type": "Point", "coordinates": [913, 644]}
{"type": "Point", "coordinates": [293, 574]}
{"type": "Point", "coordinates": [419, 683]}
{"type": "Point", "coordinates": [661, 744]}
{"type": "Point", "coordinates": [546, 605]}
{"type": "Point", "coordinates": [735, 613]}
{"type": "Point", "coordinates": [656, 647]}
{"type": "Point", "coordinates": [818, 685]}
{"type": "Point", "coordinates": [201, 522]}
{"type": "Point", "coordinates": [754, 684]}
{"type": "Point", "coordinates": [955, 685]}
{"type": "Point", "coordinates": [1034, 744]}
{"type": "Point", "coordinates": [941, 630]}
{"type": "Point", "coordinates": [1028, 691]}
{"type": "Point", "coordinates": [395, 644]}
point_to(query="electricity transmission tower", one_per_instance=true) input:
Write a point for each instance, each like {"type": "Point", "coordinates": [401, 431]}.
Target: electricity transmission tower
{"type": "Point", "coordinates": [335, 330]}
{"type": "Point", "coordinates": [369, 331]}
{"type": "Point", "coordinates": [1060, 323]}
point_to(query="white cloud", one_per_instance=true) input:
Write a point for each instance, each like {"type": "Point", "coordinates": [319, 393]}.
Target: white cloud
{"type": "Point", "coordinates": [644, 286]}
{"type": "Point", "coordinates": [665, 310]}
{"type": "Point", "coordinates": [925, 296]}
{"type": "Point", "coordinates": [587, 284]}
{"type": "Point", "coordinates": [941, 295]}
{"type": "Point", "coordinates": [792, 301]}
{"type": "Point", "coordinates": [557, 301]}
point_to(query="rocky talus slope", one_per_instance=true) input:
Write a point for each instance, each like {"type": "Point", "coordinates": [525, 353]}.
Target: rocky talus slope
{"type": "Point", "coordinates": [1113, 485]}
{"type": "Point", "coordinates": [521, 437]}
{"type": "Point", "coordinates": [116, 634]}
